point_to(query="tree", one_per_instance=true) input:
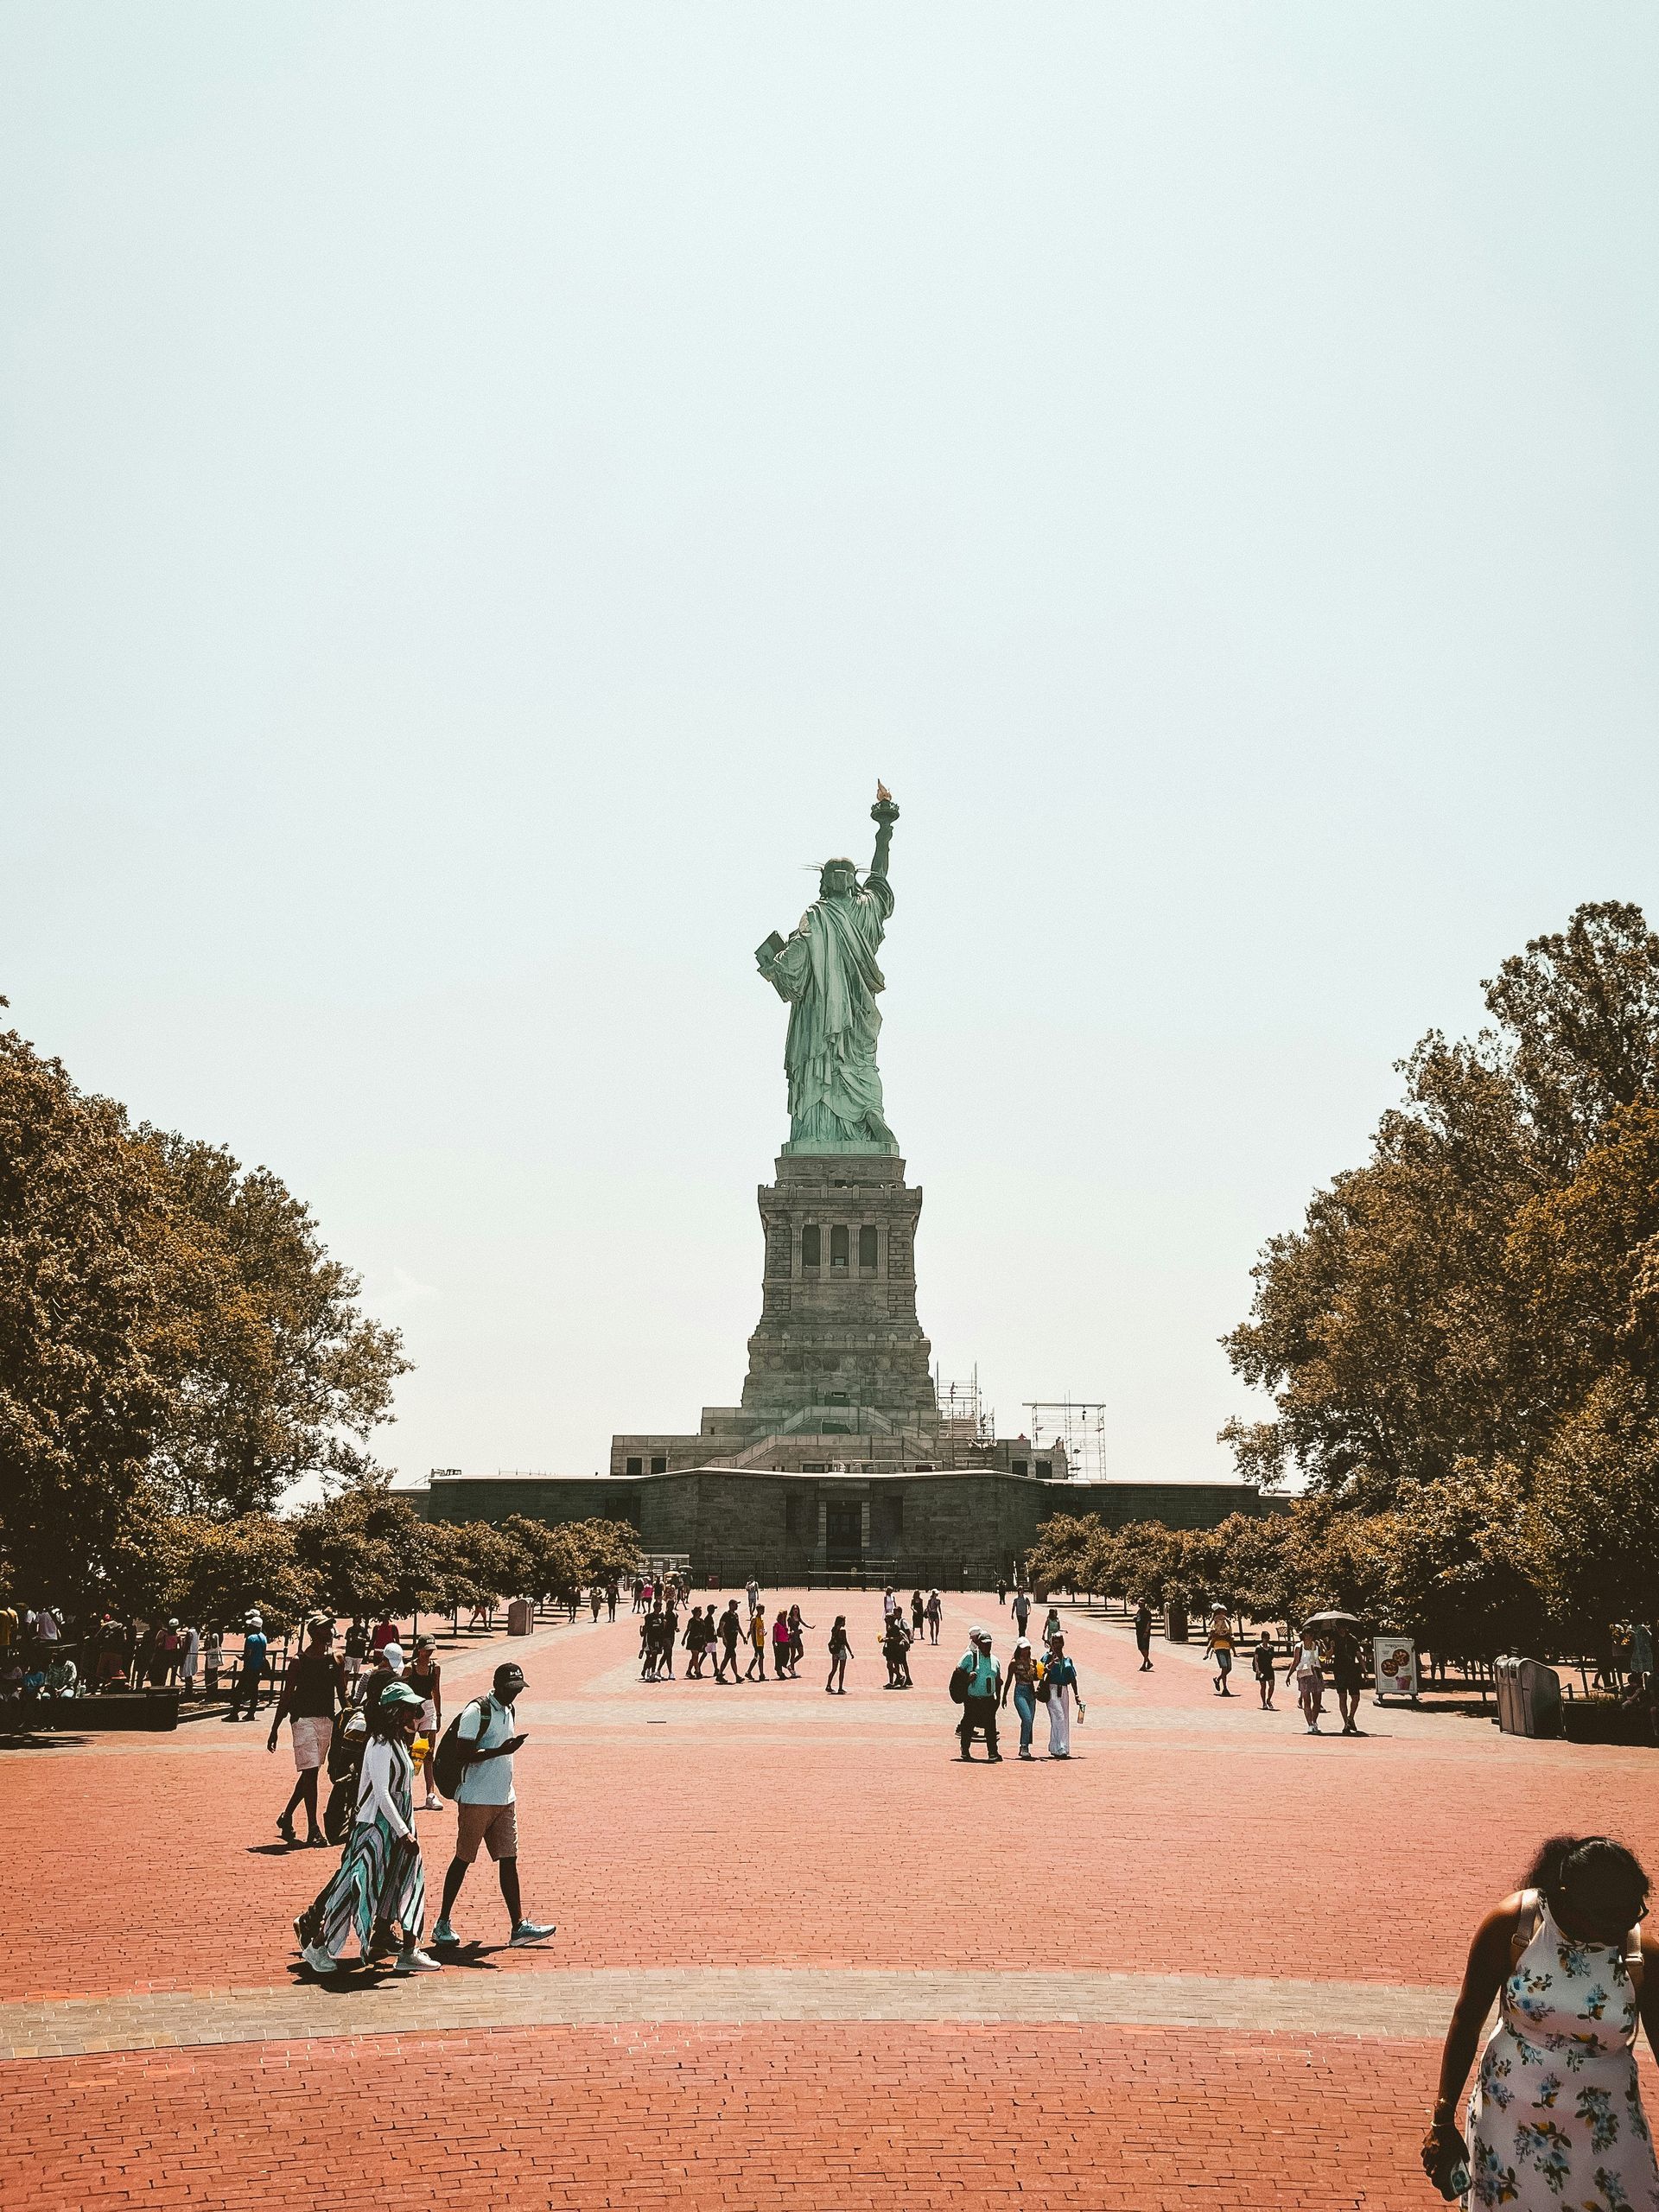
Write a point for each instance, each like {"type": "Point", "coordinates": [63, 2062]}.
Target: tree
{"type": "Point", "coordinates": [1458, 1572]}
{"type": "Point", "coordinates": [82, 1398]}
{"type": "Point", "coordinates": [274, 1368]}
{"type": "Point", "coordinates": [1582, 1009]}
{"type": "Point", "coordinates": [231, 1566]}
{"type": "Point", "coordinates": [173, 1337]}
{"type": "Point", "coordinates": [479, 1564]}
{"type": "Point", "coordinates": [1450, 1303]}
{"type": "Point", "coordinates": [1063, 1541]}
{"type": "Point", "coordinates": [1387, 1329]}
{"type": "Point", "coordinates": [366, 1550]}
{"type": "Point", "coordinates": [1591, 1529]}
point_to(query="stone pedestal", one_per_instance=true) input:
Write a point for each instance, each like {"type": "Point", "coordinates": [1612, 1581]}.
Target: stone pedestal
{"type": "Point", "coordinates": [838, 1348]}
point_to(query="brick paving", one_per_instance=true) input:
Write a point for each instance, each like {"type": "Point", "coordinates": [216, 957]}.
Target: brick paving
{"type": "Point", "coordinates": [804, 1957]}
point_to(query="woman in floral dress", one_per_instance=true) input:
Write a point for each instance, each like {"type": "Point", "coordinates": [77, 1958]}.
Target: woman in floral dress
{"type": "Point", "coordinates": [1555, 2118]}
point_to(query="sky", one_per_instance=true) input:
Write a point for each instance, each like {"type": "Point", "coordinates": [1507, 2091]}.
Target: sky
{"type": "Point", "coordinates": [484, 493]}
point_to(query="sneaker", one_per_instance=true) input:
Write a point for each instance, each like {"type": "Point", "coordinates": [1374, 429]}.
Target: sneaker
{"type": "Point", "coordinates": [1025, 1755]}
{"type": "Point", "coordinates": [433, 1803]}
{"type": "Point", "coordinates": [533, 1931]}
{"type": "Point", "coordinates": [417, 1962]}
{"type": "Point", "coordinates": [318, 1960]}
{"type": "Point", "coordinates": [444, 1936]}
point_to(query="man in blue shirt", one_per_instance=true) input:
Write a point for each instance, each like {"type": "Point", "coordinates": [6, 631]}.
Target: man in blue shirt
{"type": "Point", "coordinates": [254, 1647]}
{"type": "Point", "coordinates": [984, 1688]}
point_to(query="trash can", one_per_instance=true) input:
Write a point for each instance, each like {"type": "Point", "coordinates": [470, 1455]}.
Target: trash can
{"type": "Point", "coordinates": [521, 1616]}
{"type": "Point", "coordinates": [1176, 1627]}
{"type": "Point", "coordinates": [1528, 1697]}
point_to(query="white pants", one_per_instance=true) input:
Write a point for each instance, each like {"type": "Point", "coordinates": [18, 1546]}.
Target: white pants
{"type": "Point", "coordinates": [1059, 1721]}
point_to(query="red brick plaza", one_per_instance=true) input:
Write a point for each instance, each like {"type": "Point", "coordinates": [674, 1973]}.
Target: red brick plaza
{"type": "Point", "coordinates": [804, 1958]}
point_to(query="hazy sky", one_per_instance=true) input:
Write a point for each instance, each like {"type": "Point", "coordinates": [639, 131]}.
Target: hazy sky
{"type": "Point", "coordinates": [486, 491]}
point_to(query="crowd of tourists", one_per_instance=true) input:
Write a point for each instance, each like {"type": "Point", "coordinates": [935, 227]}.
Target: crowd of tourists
{"type": "Point", "coordinates": [736, 1638]}
{"type": "Point", "coordinates": [37, 1663]}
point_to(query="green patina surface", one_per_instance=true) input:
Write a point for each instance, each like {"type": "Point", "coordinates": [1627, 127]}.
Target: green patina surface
{"type": "Point", "coordinates": [826, 971]}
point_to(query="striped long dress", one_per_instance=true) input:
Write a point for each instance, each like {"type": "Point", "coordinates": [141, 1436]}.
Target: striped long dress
{"type": "Point", "coordinates": [380, 1878]}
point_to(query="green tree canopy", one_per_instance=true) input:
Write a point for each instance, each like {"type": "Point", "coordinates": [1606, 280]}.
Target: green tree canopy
{"type": "Point", "coordinates": [173, 1337]}
{"type": "Point", "coordinates": [1454, 1300]}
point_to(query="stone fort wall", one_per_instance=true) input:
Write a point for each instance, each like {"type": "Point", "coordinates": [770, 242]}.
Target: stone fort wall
{"type": "Point", "coordinates": [957, 1528]}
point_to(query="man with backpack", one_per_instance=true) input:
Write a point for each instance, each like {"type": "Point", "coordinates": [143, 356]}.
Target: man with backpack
{"type": "Point", "coordinates": [473, 1767]}
{"type": "Point", "coordinates": [977, 1682]}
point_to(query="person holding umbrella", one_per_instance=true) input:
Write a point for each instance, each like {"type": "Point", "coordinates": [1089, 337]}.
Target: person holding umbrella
{"type": "Point", "coordinates": [1341, 1630]}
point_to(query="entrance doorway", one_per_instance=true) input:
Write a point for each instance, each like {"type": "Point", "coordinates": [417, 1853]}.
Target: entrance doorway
{"type": "Point", "coordinates": [843, 1536]}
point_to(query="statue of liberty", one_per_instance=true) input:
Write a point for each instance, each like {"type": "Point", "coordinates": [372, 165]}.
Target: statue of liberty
{"type": "Point", "coordinates": [826, 970]}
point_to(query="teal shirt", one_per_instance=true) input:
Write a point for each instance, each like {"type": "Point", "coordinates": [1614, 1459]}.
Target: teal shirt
{"type": "Point", "coordinates": [984, 1673]}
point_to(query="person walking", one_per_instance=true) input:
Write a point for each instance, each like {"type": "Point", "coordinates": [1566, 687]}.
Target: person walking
{"type": "Point", "coordinates": [1262, 1667]}
{"type": "Point", "coordinates": [1555, 2119]}
{"type": "Point", "coordinates": [380, 1879]}
{"type": "Point", "coordinates": [1060, 1683]}
{"type": "Point", "coordinates": [311, 1687]}
{"type": "Point", "coordinates": [1219, 1645]}
{"type": "Point", "coordinates": [982, 1690]}
{"type": "Point", "coordinates": [797, 1629]}
{"type": "Point", "coordinates": [611, 1595]}
{"type": "Point", "coordinates": [934, 1616]}
{"type": "Point", "coordinates": [918, 1616]}
{"type": "Point", "coordinates": [190, 1659]}
{"type": "Point", "coordinates": [1001, 1589]}
{"type": "Point", "coordinates": [728, 1629]}
{"type": "Point", "coordinates": [1021, 1611]}
{"type": "Point", "coordinates": [1348, 1678]}
{"type": "Point", "coordinates": [780, 1644]}
{"type": "Point", "coordinates": [638, 1593]}
{"type": "Point", "coordinates": [355, 1656]}
{"type": "Point", "coordinates": [1020, 1682]}
{"type": "Point", "coordinates": [757, 1645]}
{"type": "Point", "coordinates": [650, 1637]}
{"type": "Point", "coordinates": [670, 1631]}
{"type": "Point", "coordinates": [1143, 1635]}
{"type": "Point", "coordinates": [1050, 1626]}
{"type": "Point", "coordinates": [213, 1652]}
{"type": "Point", "coordinates": [425, 1678]}
{"type": "Point", "coordinates": [1308, 1668]}
{"type": "Point", "coordinates": [751, 1593]}
{"type": "Point", "coordinates": [840, 1652]}
{"type": "Point", "coordinates": [254, 1649]}
{"type": "Point", "coordinates": [487, 1807]}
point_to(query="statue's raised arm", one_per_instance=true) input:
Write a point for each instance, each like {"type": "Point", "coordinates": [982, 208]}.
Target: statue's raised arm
{"type": "Point", "coordinates": [826, 970]}
{"type": "Point", "coordinates": [884, 814]}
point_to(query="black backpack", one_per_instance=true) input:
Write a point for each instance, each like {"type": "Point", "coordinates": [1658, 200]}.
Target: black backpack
{"type": "Point", "coordinates": [448, 1765]}
{"type": "Point", "coordinates": [959, 1681]}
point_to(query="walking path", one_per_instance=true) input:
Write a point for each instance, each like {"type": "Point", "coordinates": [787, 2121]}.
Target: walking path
{"type": "Point", "coordinates": [804, 1959]}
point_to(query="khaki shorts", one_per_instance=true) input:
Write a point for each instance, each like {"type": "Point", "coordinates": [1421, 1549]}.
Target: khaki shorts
{"type": "Point", "coordinates": [311, 1742]}
{"type": "Point", "coordinates": [494, 1825]}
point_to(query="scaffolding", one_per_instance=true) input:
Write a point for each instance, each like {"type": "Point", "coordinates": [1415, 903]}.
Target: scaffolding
{"type": "Point", "coordinates": [966, 1424]}
{"type": "Point", "coordinates": [1079, 1425]}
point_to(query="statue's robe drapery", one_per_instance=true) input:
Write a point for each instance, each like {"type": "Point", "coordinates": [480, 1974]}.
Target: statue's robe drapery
{"type": "Point", "coordinates": [827, 971]}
